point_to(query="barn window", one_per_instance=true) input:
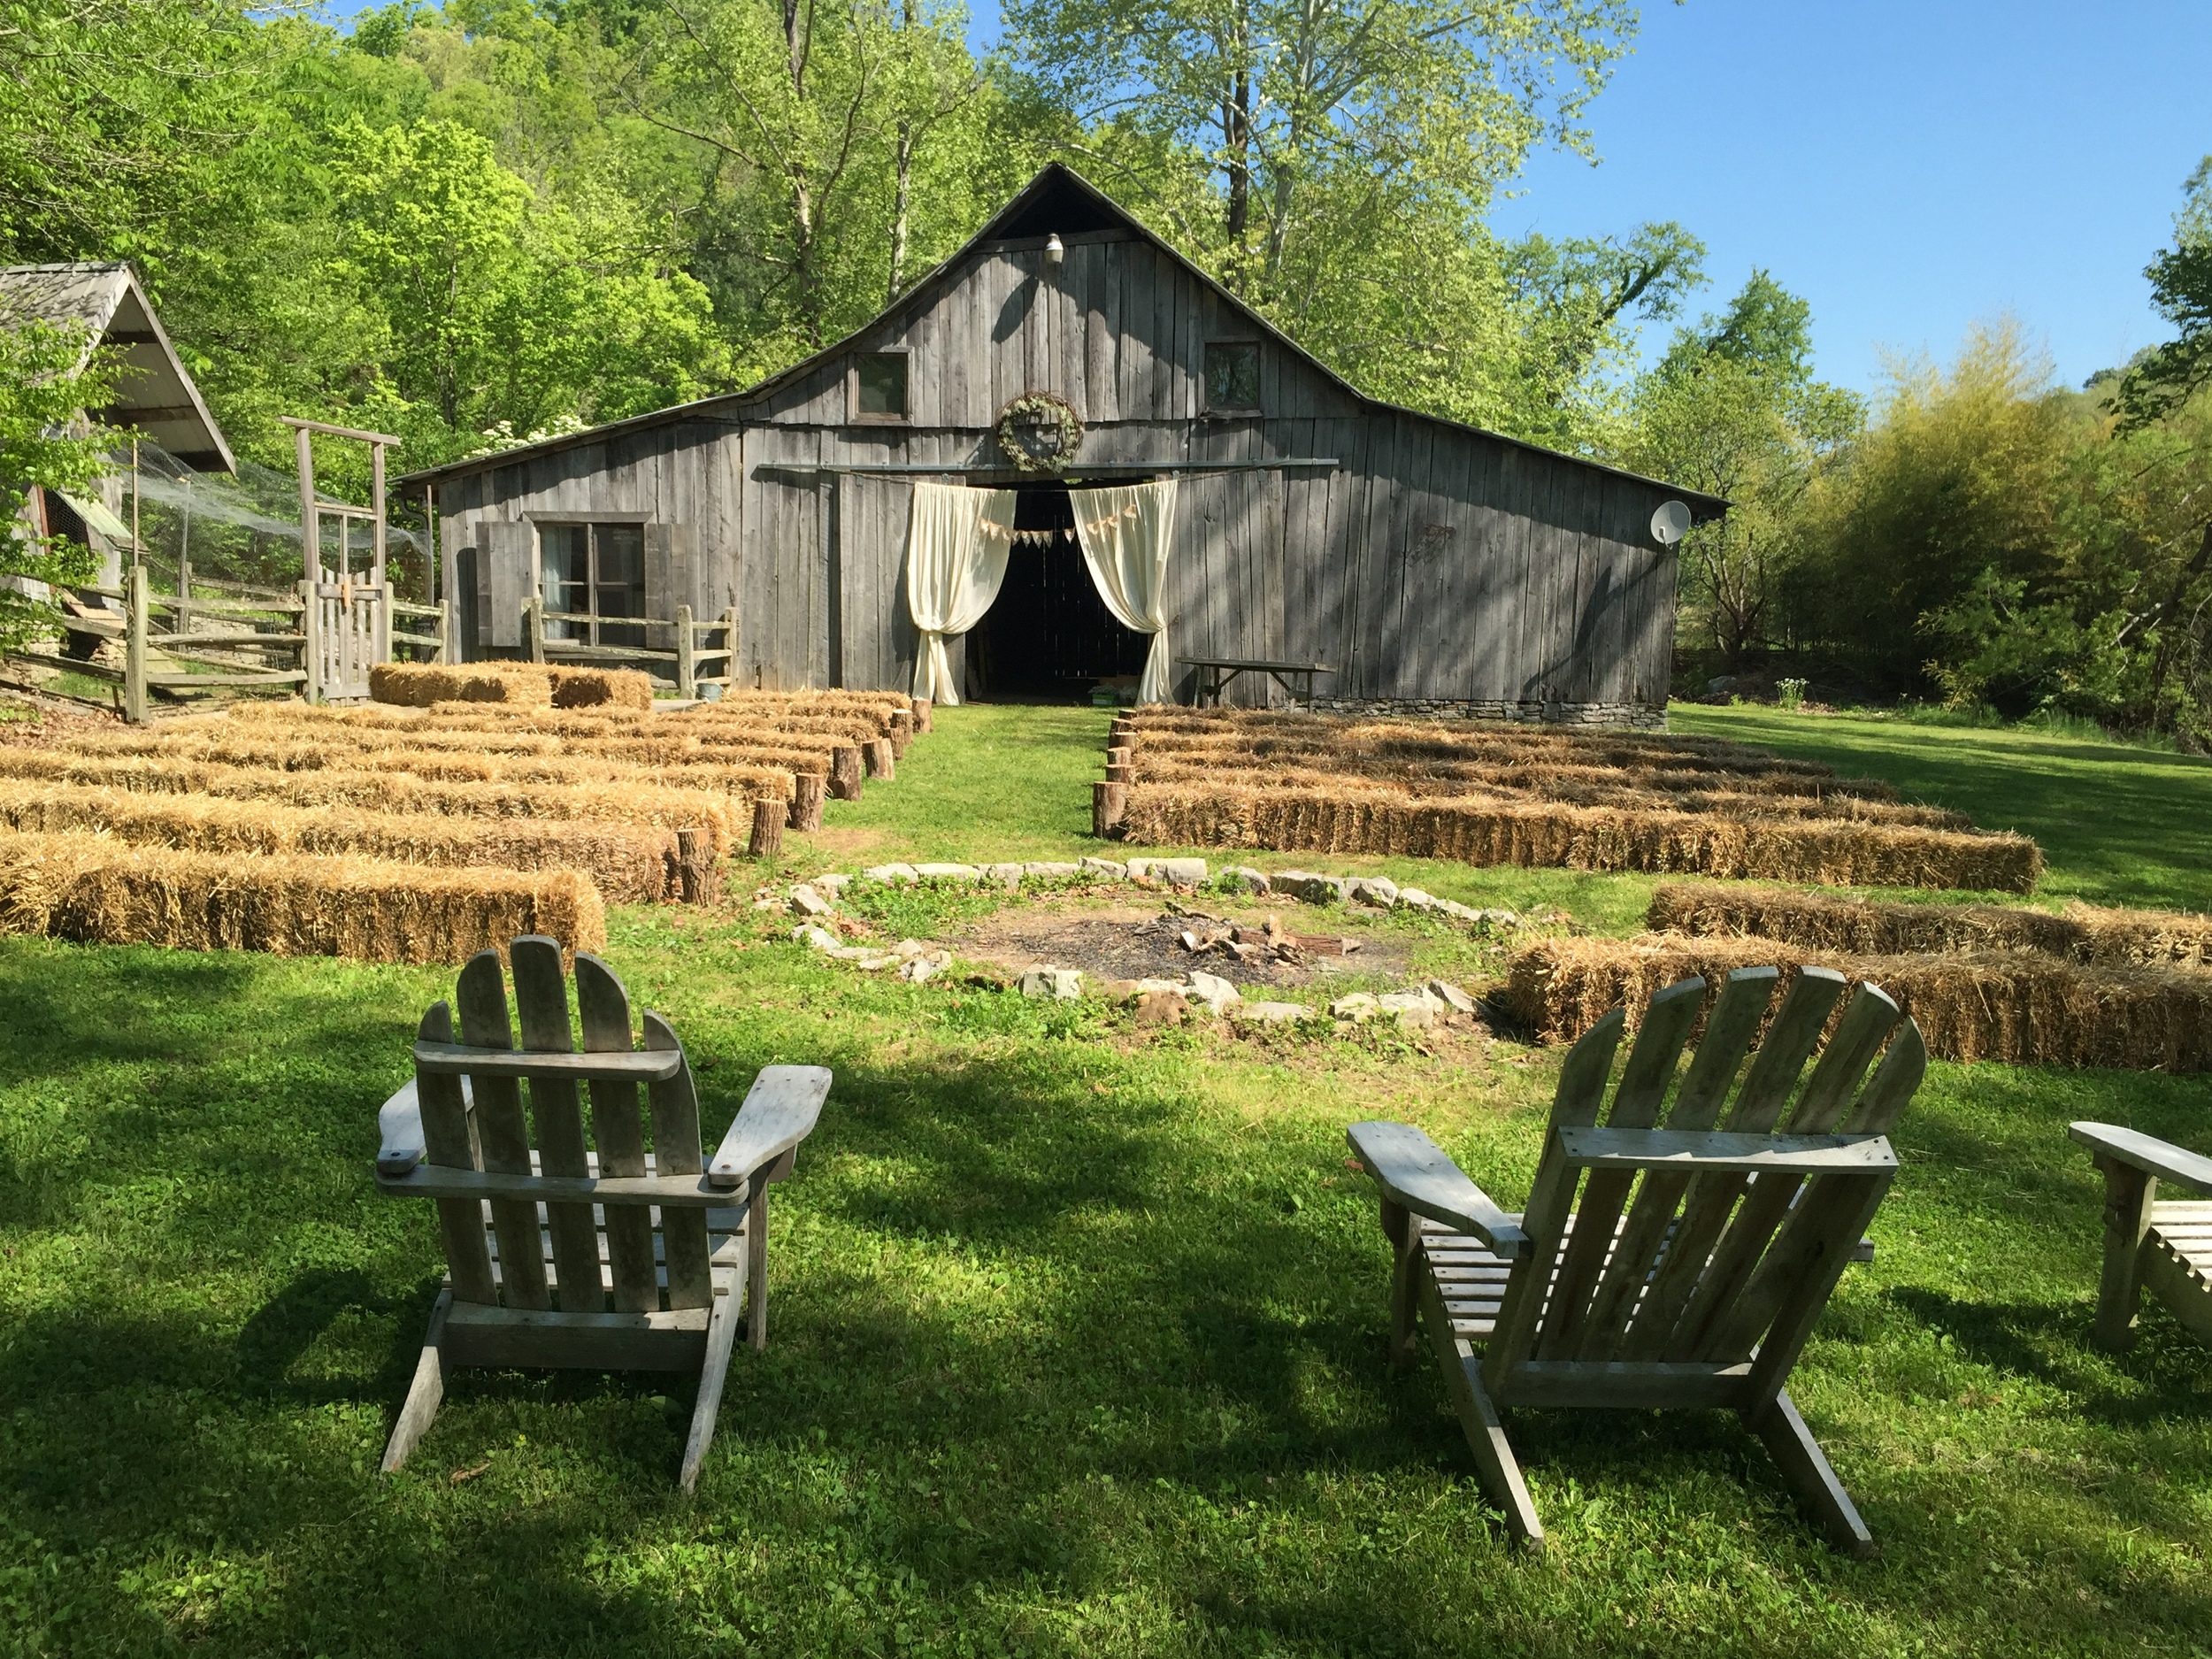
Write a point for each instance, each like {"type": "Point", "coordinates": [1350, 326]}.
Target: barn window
{"type": "Point", "coordinates": [591, 576]}
{"type": "Point", "coordinates": [878, 388]}
{"type": "Point", "coordinates": [1233, 377]}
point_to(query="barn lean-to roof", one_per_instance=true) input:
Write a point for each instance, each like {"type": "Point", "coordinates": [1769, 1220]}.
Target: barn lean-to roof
{"type": "Point", "coordinates": [154, 391]}
{"type": "Point", "coordinates": [1080, 205]}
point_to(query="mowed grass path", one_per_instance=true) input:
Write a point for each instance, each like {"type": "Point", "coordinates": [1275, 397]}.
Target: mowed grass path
{"type": "Point", "coordinates": [1078, 1344]}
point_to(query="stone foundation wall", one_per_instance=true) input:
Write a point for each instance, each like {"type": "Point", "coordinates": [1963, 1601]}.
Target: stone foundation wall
{"type": "Point", "coordinates": [1640, 717]}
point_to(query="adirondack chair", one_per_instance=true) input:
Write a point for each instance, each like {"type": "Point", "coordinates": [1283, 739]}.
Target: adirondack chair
{"type": "Point", "coordinates": [540, 1239]}
{"type": "Point", "coordinates": [2165, 1248]}
{"type": "Point", "coordinates": [1691, 1266]}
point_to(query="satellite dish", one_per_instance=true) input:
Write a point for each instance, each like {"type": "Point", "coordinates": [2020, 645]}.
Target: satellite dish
{"type": "Point", "coordinates": [1670, 523]}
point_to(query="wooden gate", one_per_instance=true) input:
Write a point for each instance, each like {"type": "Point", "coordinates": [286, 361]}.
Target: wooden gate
{"type": "Point", "coordinates": [351, 631]}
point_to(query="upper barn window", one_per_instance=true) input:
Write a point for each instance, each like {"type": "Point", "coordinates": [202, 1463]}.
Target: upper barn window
{"type": "Point", "coordinates": [876, 390]}
{"type": "Point", "coordinates": [1233, 377]}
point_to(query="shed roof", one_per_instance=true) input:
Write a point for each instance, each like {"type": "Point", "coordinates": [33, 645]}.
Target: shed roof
{"type": "Point", "coordinates": [1057, 198]}
{"type": "Point", "coordinates": [154, 391]}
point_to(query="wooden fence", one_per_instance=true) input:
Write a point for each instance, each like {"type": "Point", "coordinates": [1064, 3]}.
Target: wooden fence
{"type": "Point", "coordinates": [679, 667]}
{"type": "Point", "coordinates": [242, 641]}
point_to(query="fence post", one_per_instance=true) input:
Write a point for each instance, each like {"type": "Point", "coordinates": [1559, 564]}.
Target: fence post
{"type": "Point", "coordinates": [533, 624]}
{"type": "Point", "coordinates": [686, 670]}
{"type": "Point", "coordinates": [134, 646]}
{"type": "Point", "coordinates": [450, 632]}
{"type": "Point", "coordinates": [310, 640]}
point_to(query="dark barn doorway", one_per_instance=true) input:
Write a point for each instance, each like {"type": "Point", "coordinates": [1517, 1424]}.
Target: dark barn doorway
{"type": "Point", "coordinates": [1048, 637]}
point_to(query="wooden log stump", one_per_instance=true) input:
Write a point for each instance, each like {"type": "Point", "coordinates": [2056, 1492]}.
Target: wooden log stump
{"type": "Point", "coordinates": [698, 880]}
{"type": "Point", "coordinates": [902, 735]}
{"type": "Point", "coordinates": [1120, 756]}
{"type": "Point", "coordinates": [881, 762]}
{"type": "Point", "coordinates": [921, 716]}
{"type": "Point", "coordinates": [1121, 772]}
{"type": "Point", "coordinates": [1110, 802]}
{"type": "Point", "coordinates": [806, 801]}
{"type": "Point", "coordinates": [768, 818]}
{"type": "Point", "coordinates": [845, 773]}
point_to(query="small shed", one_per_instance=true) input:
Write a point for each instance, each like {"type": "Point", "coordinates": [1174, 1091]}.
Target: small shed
{"type": "Point", "coordinates": [154, 392]}
{"type": "Point", "coordinates": [1433, 566]}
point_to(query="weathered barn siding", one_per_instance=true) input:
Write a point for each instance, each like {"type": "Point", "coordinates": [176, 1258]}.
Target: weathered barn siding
{"type": "Point", "coordinates": [1429, 562]}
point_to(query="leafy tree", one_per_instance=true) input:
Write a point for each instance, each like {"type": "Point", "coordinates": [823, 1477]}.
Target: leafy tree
{"type": "Point", "coordinates": [1732, 410]}
{"type": "Point", "coordinates": [2167, 376]}
{"type": "Point", "coordinates": [48, 375]}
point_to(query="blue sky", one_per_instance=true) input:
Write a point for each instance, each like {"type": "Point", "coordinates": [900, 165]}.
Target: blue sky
{"type": "Point", "coordinates": [1908, 168]}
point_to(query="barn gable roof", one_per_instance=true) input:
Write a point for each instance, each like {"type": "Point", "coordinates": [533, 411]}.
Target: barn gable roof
{"type": "Point", "coordinates": [1057, 200]}
{"type": "Point", "coordinates": [154, 391]}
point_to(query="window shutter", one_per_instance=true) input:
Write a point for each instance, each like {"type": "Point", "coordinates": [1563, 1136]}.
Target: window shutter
{"type": "Point", "coordinates": [503, 581]}
{"type": "Point", "coordinates": [672, 576]}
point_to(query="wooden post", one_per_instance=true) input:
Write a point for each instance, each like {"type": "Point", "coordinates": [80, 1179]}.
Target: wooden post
{"type": "Point", "coordinates": [380, 650]}
{"type": "Point", "coordinates": [696, 877]}
{"type": "Point", "coordinates": [1110, 802]}
{"type": "Point", "coordinates": [922, 713]}
{"type": "Point", "coordinates": [844, 774]}
{"type": "Point", "coordinates": [311, 528]}
{"type": "Point", "coordinates": [311, 636]}
{"type": "Point", "coordinates": [1121, 755]}
{"type": "Point", "coordinates": [902, 735]}
{"type": "Point", "coordinates": [534, 625]}
{"type": "Point", "coordinates": [686, 668]}
{"type": "Point", "coordinates": [881, 762]}
{"type": "Point", "coordinates": [1121, 772]}
{"type": "Point", "coordinates": [768, 816]}
{"type": "Point", "coordinates": [2128, 1195]}
{"type": "Point", "coordinates": [806, 802]}
{"type": "Point", "coordinates": [134, 646]}
{"type": "Point", "coordinates": [450, 631]}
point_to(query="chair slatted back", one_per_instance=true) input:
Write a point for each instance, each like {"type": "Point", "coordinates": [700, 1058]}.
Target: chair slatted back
{"type": "Point", "coordinates": [495, 1135]}
{"type": "Point", "coordinates": [1664, 1263]}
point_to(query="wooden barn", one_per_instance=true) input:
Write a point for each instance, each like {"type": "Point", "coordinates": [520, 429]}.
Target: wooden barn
{"type": "Point", "coordinates": [1065, 351]}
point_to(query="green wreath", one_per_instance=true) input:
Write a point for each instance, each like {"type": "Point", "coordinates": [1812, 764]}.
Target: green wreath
{"type": "Point", "coordinates": [1039, 431]}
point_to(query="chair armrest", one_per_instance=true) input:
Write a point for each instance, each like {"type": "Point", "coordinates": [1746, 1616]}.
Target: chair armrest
{"type": "Point", "coordinates": [1690, 1150]}
{"type": "Point", "coordinates": [2146, 1153]}
{"type": "Point", "coordinates": [399, 1128]}
{"type": "Point", "coordinates": [1413, 1171]}
{"type": "Point", "coordinates": [779, 1112]}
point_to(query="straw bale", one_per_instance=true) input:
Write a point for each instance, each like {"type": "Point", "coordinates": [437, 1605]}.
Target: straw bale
{"type": "Point", "coordinates": [418, 684]}
{"type": "Point", "coordinates": [1837, 854]}
{"type": "Point", "coordinates": [97, 890]}
{"type": "Point", "coordinates": [2013, 1006]}
{"type": "Point", "coordinates": [2083, 934]}
{"type": "Point", "coordinates": [631, 864]}
{"type": "Point", "coordinates": [601, 687]}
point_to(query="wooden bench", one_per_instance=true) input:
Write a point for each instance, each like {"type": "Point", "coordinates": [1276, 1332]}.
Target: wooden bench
{"type": "Point", "coordinates": [2163, 1247]}
{"type": "Point", "coordinates": [1675, 1266]}
{"type": "Point", "coordinates": [605, 1256]}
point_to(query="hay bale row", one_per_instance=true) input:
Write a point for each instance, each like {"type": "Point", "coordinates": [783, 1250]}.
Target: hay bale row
{"type": "Point", "coordinates": [1749, 804]}
{"type": "Point", "coordinates": [1814, 921]}
{"type": "Point", "coordinates": [95, 890]}
{"type": "Point", "coordinates": [1827, 853]}
{"type": "Point", "coordinates": [2014, 1006]}
{"type": "Point", "coordinates": [630, 864]}
{"type": "Point", "coordinates": [400, 769]}
{"type": "Point", "coordinates": [526, 685]}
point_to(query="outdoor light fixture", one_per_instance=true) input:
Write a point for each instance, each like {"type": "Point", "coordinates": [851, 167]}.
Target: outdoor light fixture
{"type": "Point", "coordinates": [1053, 252]}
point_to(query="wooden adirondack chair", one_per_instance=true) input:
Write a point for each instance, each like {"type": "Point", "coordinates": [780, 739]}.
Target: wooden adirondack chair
{"type": "Point", "coordinates": [1691, 1266]}
{"type": "Point", "coordinates": [2165, 1248]}
{"type": "Point", "coordinates": [540, 1239]}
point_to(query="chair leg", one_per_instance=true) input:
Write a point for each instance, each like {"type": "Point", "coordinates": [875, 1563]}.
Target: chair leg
{"type": "Point", "coordinates": [721, 1337]}
{"type": "Point", "coordinates": [1494, 1462]}
{"type": "Point", "coordinates": [425, 1393]}
{"type": "Point", "coordinates": [1806, 1472]}
{"type": "Point", "coordinates": [1406, 1267]}
{"type": "Point", "coordinates": [756, 1264]}
{"type": "Point", "coordinates": [2128, 1195]}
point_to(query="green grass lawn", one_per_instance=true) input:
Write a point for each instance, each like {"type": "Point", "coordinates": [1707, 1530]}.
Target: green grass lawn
{"type": "Point", "coordinates": [1077, 1331]}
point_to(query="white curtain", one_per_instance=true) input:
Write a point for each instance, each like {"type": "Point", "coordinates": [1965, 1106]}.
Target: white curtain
{"type": "Point", "coordinates": [957, 546]}
{"type": "Point", "coordinates": [1127, 534]}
